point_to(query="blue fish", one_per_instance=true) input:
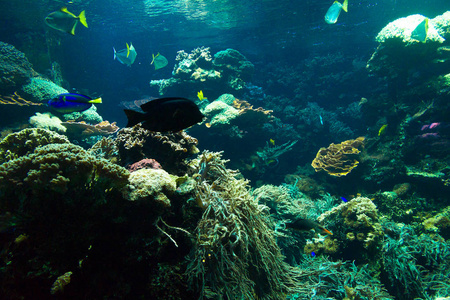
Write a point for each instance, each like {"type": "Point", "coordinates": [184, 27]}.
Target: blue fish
{"type": "Point", "coordinates": [343, 199]}
{"type": "Point", "coordinates": [69, 102]}
{"type": "Point", "coordinates": [313, 254]}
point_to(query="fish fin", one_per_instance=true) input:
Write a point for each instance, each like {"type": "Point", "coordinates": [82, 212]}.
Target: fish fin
{"type": "Point", "coordinates": [128, 50]}
{"type": "Point", "coordinates": [345, 5]}
{"type": "Point", "coordinates": [98, 100]}
{"type": "Point", "coordinates": [153, 58]}
{"type": "Point", "coordinates": [134, 117]}
{"type": "Point", "coordinates": [82, 18]}
{"type": "Point", "coordinates": [72, 32]}
{"type": "Point", "coordinates": [65, 10]}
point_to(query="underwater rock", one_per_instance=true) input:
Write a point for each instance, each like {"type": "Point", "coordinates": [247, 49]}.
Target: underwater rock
{"type": "Point", "coordinates": [15, 69]}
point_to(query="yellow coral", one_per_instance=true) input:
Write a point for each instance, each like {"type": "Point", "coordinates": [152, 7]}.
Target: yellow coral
{"type": "Point", "coordinates": [338, 159]}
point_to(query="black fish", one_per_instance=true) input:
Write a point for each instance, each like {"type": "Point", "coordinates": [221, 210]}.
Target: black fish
{"type": "Point", "coordinates": [305, 224]}
{"type": "Point", "coordinates": [166, 114]}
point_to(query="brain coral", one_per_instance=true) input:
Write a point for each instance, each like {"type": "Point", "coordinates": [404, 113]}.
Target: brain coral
{"type": "Point", "coordinates": [24, 142]}
{"type": "Point", "coordinates": [150, 184]}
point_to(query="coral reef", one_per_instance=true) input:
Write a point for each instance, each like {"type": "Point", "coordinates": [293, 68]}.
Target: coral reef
{"type": "Point", "coordinates": [47, 121]}
{"type": "Point", "coordinates": [171, 149]}
{"type": "Point", "coordinates": [227, 73]}
{"type": "Point", "coordinates": [355, 224]}
{"type": "Point", "coordinates": [396, 46]}
{"type": "Point", "coordinates": [56, 169]}
{"type": "Point", "coordinates": [338, 159]}
{"type": "Point", "coordinates": [26, 141]}
{"type": "Point", "coordinates": [15, 69]}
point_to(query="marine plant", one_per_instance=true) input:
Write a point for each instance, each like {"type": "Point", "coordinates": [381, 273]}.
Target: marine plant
{"type": "Point", "coordinates": [415, 266]}
{"type": "Point", "coordinates": [235, 253]}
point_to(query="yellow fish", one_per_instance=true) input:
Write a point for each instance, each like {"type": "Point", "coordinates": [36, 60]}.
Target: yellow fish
{"type": "Point", "coordinates": [200, 96]}
{"type": "Point", "coordinates": [421, 31]}
{"type": "Point", "coordinates": [272, 142]}
{"type": "Point", "coordinates": [333, 12]}
{"type": "Point", "coordinates": [65, 21]}
{"type": "Point", "coordinates": [382, 130]}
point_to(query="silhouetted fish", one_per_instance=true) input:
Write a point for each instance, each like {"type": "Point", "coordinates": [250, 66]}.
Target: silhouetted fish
{"type": "Point", "coordinates": [305, 225]}
{"type": "Point", "coordinates": [166, 114]}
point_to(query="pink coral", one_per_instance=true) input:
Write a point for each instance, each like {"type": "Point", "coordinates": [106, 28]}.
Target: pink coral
{"type": "Point", "coordinates": [146, 163]}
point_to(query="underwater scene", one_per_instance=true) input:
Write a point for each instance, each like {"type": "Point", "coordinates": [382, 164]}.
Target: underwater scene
{"type": "Point", "coordinates": [204, 149]}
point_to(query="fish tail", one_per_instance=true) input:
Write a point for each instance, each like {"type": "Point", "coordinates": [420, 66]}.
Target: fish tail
{"type": "Point", "coordinates": [345, 5]}
{"type": "Point", "coordinates": [128, 50]}
{"type": "Point", "coordinates": [134, 117]}
{"type": "Point", "coordinates": [82, 18]}
{"type": "Point", "coordinates": [96, 101]}
{"type": "Point", "coordinates": [114, 53]}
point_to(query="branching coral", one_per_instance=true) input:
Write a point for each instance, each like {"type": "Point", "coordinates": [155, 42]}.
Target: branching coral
{"type": "Point", "coordinates": [235, 255]}
{"type": "Point", "coordinates": [16, 99]}
{"type": "Point", "coordinates": [171, 149]}
{"type": "Point", "coordinates": [338, 159]}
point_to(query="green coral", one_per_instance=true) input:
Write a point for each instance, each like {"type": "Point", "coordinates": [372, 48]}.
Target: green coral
{"type": "Point", "coordinates": [220, 113]}
{"type": "Point", "coordinates": [24, 142]}
{"type": "Point", "coordinates": [42, 90]}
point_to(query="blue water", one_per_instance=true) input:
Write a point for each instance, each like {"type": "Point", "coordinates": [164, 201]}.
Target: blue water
{"type": "Point", "coordinates": [314, 78]}
{"type": "Point", "coordinates": [279, 32]}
